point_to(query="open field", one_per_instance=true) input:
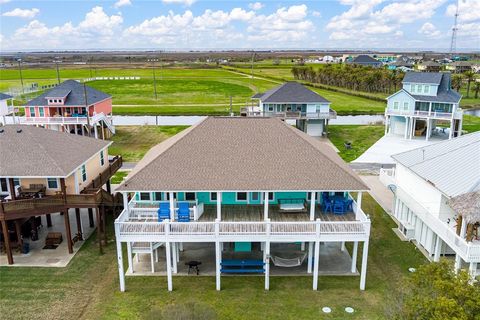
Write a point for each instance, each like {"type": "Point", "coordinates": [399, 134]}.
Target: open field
{"type": "Point", "coordinates": [132, 142]}
{"type": "Point", "coordinates": [88, 288]}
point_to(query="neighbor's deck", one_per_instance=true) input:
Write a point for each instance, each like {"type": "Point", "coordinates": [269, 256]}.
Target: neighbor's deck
{"type": "Point", "coordinates": [243, 213]}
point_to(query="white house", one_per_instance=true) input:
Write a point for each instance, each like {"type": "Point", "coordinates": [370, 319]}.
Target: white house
{"type": "Point", "coordinates": [5, 108]}
{"type": "Point", "coordinates": [426, 180]}
{"type": "Point", "coordinates": [425, 101]}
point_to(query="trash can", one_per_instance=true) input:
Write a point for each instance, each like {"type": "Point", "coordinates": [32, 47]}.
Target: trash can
{"type": "Point", "coordinates": [26, 248]}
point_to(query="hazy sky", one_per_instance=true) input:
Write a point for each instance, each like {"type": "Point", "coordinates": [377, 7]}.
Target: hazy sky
{"type": "Point", "coordinates": [182, 24]}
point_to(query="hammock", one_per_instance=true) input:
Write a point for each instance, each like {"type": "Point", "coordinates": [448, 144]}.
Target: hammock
{"type": "Point", "coordinates": [288, 263]}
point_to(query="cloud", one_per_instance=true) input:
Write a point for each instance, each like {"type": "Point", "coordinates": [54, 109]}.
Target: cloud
{"type": "Point", "coordinates": [429, 30]}
{"type": "Point", "coordinates": [366, 23]}
{"type": "Point", "coordinates": [22, 13]}
{"type": "Point", "coordinates": [4, 1]}
{"type": "Point", "coordinates": [256, 6]}
{"type": "Point", "coordinates": [122, 3]}
{"type": "Point", "coordinates": [187, 3]}
{"type": "Point", "coordinates": [468, 10]}
{"type": "Point", "coordinates": [316, 14]}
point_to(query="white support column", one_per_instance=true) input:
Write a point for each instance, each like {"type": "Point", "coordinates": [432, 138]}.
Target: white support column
{"type": "Point", "coordinates": [156, 254]}
{"type": "Point", "coordinates": [130, 257]}
{"type": "Point", "coordinates": [267, 265]}
{"type": "Point", "coordinates": [125, 201]}
{"type": "Point", "coordinates": [450, 134]}
{"type": "Point", "coordinates": [354, 256]}
{"type": "Point", "coordinates": [168, 261]}
{"type": "Point", "coordinates": [310, 256]}
{"type": "Point", "coordinates": [316, 265]}
{"type": "Point", "coordinates": [152, 257]}
{"type": "Point", "coordinates": [460, 127]}
{"type": "Point", "coordinates": [386, 124]}
{"type": "Point", "coordinates": [359, 205]}
{"type": "Point", "coordinates": [363, 272]}
{"type": "Point", "coordinates": [312, 205]}
{"type": "Point", "coordinates": [218, 259]}
{"type": "Point", "coordinates": [342, 247]}
{"type": "Point", "coordinates": [219, 206]}
{"type": "Point", "coordinates": [172, 206]}
{"type": "Point", "coordinates": [177, 246]}
{"type": "Point", "coordinates": [472, 269]}
{"type": "Point", "coordinates": [265, 206]}
{"type": "Point", "coordinates": [463, 230]}
{"type": "Point", "coordinates": [121, 273]}
{"type": "Point", "coordinates": [174, 257]}
{"type": "Point", "coordinates": [407, 124]}
{"type": "Point", "coordinates": [458, 263]}
{"type": "Point", "coordinates": [95, 131]}
{"type": "Point", "coordinates": [438, 248]}
{"type": "Point", "coordinates": [429, 128]}
{"type": "Point", "coordinates": [180, 246]}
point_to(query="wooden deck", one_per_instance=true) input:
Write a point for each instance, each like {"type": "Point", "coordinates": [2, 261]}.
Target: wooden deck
{"type": "Point", "coordinates": [242, 213]}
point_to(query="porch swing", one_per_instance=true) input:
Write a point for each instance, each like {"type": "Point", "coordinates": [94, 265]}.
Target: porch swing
{"type": "Point", "coordinates": [288, 262]}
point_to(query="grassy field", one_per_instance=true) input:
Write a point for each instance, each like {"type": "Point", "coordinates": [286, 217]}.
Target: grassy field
{"type": "Point", "coordinates": [361, 138]}
{"type": "Point", "coordinates": [132, 142]}
{"type": "Point", "coordinates": [88, 288]}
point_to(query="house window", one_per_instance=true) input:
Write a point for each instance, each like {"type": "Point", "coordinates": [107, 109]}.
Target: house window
{"type": "Point", "coordinates": [412, 88]}
{"type": "Point", "coordinates": [271, 196]}
{"type": "Point", "coordinates": [190, 196]}
{"type": "Point", "coordinates": [41, 112]}
{"type": "Point", "coordinates": [102, 158]}
{"type": "Point", "coordinates": [84, 173]}
{"type": "Point", "coordinates": [158, 196]}
{"type": "Point", "coordinates": [50, 100]}
{"type": "Point", "coordinates": [174, 196]}
{"type": "Point", "coordinates": [419, 88]}
{"type": "Point", "coordinates": [3, 185]}
{"type": "Point", "coordinates": [241, 196]}
{"type": "Point", "coordinates": [213, 196]}
{"type": "Point", "coordinates": [255, 196]}
{"type": "Point", "coordinates": [395, 105]}
{"type": "Point", "coordinates": [52, 183]}
{"type": "Point", "coordinates": [16, 182]}
{"type": "Point", "coordinates": [145, 196]}
{"type": "Point", "coordinates": [405, 106]}
{"type": "Point", "coordinates": [426, 89]}
{"type": "Point", "coordinates": [270, 108]}
{"type": "Point", "coordinates": [67, 110]}
{"type": "Point", "coordinates": [32, 112]}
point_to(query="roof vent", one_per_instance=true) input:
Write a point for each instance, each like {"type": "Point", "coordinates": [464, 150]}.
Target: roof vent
{"type": "Point", "coordinates": [19, 130]}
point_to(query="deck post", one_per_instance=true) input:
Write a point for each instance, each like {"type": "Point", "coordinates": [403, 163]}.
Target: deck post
{"type": "Point", "coordinates": [267, 265]}
{"type": "Point", "coordinates": [129, 256]}
{"type": "Point", "coordinates": [152, 258]}
{"type": "Point", "coordinates": [90, 218]}
{"type": "Point", "coordinates": [125, 201]}
{"type": "Point", "coordinates": [172, 207]}
{"type": "Point", "coordinates": [427, 134]}
{"type": "Point", "coordinates": [68, 231]}
{"type": "Point", "coordinates": [12, 189]}
{"type": "Point", "coordinates": [218, 259]}
{"type": "Point", "coordinates": [169, 265]}
{"type": "Point", "coordinates": [49, 220]}
{"type": "Point", "coordinates": [310, 256]}
{"type": "Point", "coordinates": [219, 206]}
{"type": "Point", "coordinates": [438, 248]}
{"type": "Point", "coordinates": [265, 205]}
{"type": "Point", "coordinates": [316, 265]}
{"type": "Point", "coordinates": [472, 269]}
{"type": "Point", "coordinates": [359, 205]}
{"type": "Point", "coordinates": [6, 237]}
{"type": "Point", "coordinates": [95, 131]}
{"type": "Point", "coordinates": [458, 263]}
{"type": "Point", "coordinates": [312, 206]}
{"type": "Point", "coordinates": [99, 232]}
{"type": "Point", "coordinates": [79, 224]}
{"type": "Point", "coordinates": [363, 272]}
{"type": "Point", "coordinates": [450, 134]}
{"type": "Point", "coordinates": [174, 257]}
{"type": "Point", "coordinates": [342, 246]}
{"type": "Point", "coordinates": [354, 256]}
{"type": "Point", "coordinates": [121, 273]}
{"type": "Point", "coordinates": [18, 232]}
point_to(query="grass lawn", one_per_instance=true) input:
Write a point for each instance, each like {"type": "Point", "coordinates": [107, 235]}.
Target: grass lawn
{"type": "Point", "coordinates": [88, 288]}
{"type": "Point", "coordinates": [362, 137]}
{"type": "Point", "coordinates": [118, 177]}
{"type": "Point", "coordinates": [471, 123]}
{"type": "Point", "coordinates": [132, 142]}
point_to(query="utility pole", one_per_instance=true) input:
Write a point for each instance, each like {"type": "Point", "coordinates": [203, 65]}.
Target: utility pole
{"type": "Point", "coordinates": [231, 107]}
{"type": "Point", "coordinates": [19, 60]}
{"type": "Point", "coordinates": [154, 77]}
{"type": "Point", "coordinates": [86, 108]}
{"type": "Point", "coordinates": [453, 43]}
{"type": "Point", "coordinates": [58, 72]}
{"type": "Point", "coordinates": [253, 60]}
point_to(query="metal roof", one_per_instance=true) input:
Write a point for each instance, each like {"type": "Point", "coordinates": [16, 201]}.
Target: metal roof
{"type": "Point", "coordinates": [452, 166]}
{"type": "Point", "coordinates": [423, 77]}
{"type": "Point", "coordinates": [28, 151]}
{"type": "Point", "coordinates": [76, 97]}
{"type": "Point", "coordinates": [242, 154]}
{"type": "Point", "coordinates": [291, 92]}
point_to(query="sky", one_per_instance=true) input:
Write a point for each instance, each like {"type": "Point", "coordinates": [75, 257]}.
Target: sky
{"type": "Point", "coordinates": [197, 24]}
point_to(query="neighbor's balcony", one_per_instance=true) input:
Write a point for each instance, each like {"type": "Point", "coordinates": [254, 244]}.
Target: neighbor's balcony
{"type": "Point", "coordinates": [63, 120]}
{"type": "Point", "coordinates": [255, 112]}
{"type": "Point", "coordinates": [240, 223]}
{"type": "Point", "coordinates": [426, 114]}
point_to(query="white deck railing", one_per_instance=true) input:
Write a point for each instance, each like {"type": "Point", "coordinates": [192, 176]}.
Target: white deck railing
{"type": "Point", "coordinates": [469, 251]}
{"type": "Point", "coordinates": [432, 114]}
{"type": "Point", "coordinates": [141, 224]}
{"type": "Point", "coordinates": [290, 114]}
{"type": "Point", "coordinates": [66, 120]}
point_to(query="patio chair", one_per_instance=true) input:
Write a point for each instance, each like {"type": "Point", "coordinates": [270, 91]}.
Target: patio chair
{"type": "Point", "coordinates": [164, 211]}
{"type": "Point", "coordinates": [338, 207]}
{"type": "Point", "coordinates": [349, 205]}
{"type": "Point", "coordinates": [328, 205]}
{"type": "Point", "coordinates": [183, 212]}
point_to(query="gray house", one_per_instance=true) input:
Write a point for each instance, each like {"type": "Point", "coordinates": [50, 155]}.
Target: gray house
{"type": "Point", "coordinates": [293, 101]}
{"type": "Point", "coordinates": [366, 60]}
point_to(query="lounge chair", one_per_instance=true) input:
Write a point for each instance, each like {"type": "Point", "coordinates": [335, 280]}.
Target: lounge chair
{"type": "Point", "coordinates": [338, 207]}
{"type": "Point", "coordinates": [183, 212]}
{"type": "Point", "coordinates": [164, 211]}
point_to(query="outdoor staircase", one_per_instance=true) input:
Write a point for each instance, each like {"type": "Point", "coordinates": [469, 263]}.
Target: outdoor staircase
{"type": "Point", "coordinates": [106, 120]}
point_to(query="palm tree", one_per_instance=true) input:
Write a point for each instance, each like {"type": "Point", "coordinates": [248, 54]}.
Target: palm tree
{"type": "Point", "coordinates": [469, 76]}
{"type": "Point", "coordinates": [457, 80]}
{"type": "Point", "coordinates": [476, 88]}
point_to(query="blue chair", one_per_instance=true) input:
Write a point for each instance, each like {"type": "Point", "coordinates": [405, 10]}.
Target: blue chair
{"type": "Point", "coordinates": [164, 211]}
{"type": "Point", "coordinates": [183, 212]}
{"type": "Point", "coordinates": [338, 207]}
{"type": "Point", "coordinates": [349, 205]}
{"type": "Point", "coordinates": [328, 205]}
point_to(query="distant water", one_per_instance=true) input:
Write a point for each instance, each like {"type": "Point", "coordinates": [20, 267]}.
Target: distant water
{"type": "Point", "coordinates": [472, 112]}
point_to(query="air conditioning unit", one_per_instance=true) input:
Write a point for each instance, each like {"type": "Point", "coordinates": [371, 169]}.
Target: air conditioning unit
{"type": "Point", "coordinates": [407, 230]}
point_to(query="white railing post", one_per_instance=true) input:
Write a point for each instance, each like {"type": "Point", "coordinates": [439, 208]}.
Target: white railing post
{"type": "Point", "coordinates": [312, 205]}
{"type": "Point", "coordinates": [359, 205]}
{"type": "Point", "coordinates": [265, 205]}
{"type": "Point", "coordinates": [172, 207]}
{"type": "Point", "coordinates": [219, 205]}
{"type": "Point", "coordinates": [354, 256]}
{"type": "Point", "coordinates": [363, 272]}
{"type": "Point", "coordinates": [218, 259]}
{"type": "Point", "coordinates": [195, 213]}
{"type": "Point", "coordinates": [121, 273]}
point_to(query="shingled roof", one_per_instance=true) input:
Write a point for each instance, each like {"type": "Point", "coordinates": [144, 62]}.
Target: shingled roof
{"type": "Point", "coordinates": [290, 92]}
{"type": "Point", "coordinates": [28, 151]}
{"type": "Point", "coordinates": [365, 59]}
{"type": "Point", "coordinates": [4, 96]}
{"type": "Point", "coordinates": [242, 154]}
{"type": "Point", "coordinates": [443, 79]}
{"type": "Point", "coordinates": [74, 92]}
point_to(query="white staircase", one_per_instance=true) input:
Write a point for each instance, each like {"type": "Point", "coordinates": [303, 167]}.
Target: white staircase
{"type": "Point", "coordinates": [102, 117]}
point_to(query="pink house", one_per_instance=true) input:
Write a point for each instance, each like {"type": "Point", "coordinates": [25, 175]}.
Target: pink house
{"type": "Point", "coordinates": [72, 107]}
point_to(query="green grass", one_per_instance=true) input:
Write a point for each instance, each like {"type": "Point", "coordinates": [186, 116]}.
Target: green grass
{"type": "Point", "coordinates": [118, 177]}
{"type": "Point", "coordinates": [471, 123]}
{"type": "Point", "coordinates": [132, 142]}
{"type": "Point", "coordinates": [88, 287]}
{"type": "Point", "coordinates": [362, 137]}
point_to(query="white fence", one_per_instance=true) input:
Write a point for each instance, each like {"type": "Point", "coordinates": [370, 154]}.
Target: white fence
{"type": "Point", "coordinates": [431, 114]}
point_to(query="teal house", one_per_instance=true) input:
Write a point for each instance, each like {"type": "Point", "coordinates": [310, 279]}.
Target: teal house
{"type": "Point", "coordinates": [426, 107]}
